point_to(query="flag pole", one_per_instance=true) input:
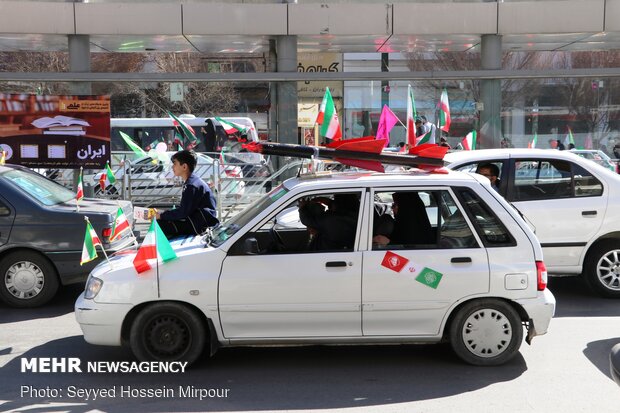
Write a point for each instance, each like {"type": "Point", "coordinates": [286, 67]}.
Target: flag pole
{"type": "Point", "coordinates": [156, 257]}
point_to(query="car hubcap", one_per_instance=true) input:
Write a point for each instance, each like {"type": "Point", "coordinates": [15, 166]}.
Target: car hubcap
{"type": "Point", "coordinates": [487, 333]}
{"type": "Point", "coordinates": [608, 270]}
{"type": "Point", "coordinates": [168, 336]}
{"type": "Point", "coordinates": [24, 280]}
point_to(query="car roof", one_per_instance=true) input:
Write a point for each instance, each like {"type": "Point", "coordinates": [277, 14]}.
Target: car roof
{"type": "Point", "coordinates": [487, 154]}
{"type": "Point", "coordinates": [345, 180]}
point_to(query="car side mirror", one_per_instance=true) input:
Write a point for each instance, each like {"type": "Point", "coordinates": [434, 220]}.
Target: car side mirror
{"type": "Point", "coordinates": [250, 246]}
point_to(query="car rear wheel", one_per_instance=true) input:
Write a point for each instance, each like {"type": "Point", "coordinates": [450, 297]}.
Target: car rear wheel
{"type": "Point", "coordinates": [167, 332]}
{"type": "Point", "coordinates": [27, 279]}
{"type": "Point", "coordinates": [486, 332]}
{"type": "Point", "coordinates": [602, 269]}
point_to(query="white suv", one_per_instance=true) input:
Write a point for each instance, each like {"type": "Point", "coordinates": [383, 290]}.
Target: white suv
{"type": "Point", "coordinates": [571, 204]}
{"type": "Point", "coordinates": [467, 270]}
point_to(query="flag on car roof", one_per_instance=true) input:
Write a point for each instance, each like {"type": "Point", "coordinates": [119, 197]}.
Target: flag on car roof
{"type": "Point", "coordinates": [386, 122]}
{"type": "Point", "coordinates": [121, 225]}
{"type": "Point", "coordinates": [328, 118]}
{"type": "Point", "coordinates": [444, 112]}
{"type": "Point", "coordinates": [588, 142]}
{"type": "Point", "coordinates": [469, 141]}
{"type": "Point", "coordinates": [426, 138]}
{"type": "Point", "coordinates": [532, 144]}
{"type": "Point", "coordinates": [80, 188]}
{"type": "Point", "coordinates": [231, 127]}
{"type": "Point", "coordinates": [107, 177]}
{"type": "Point", "coordinates": [411, 115]}
{"type": "Point", "coordinates": [91, 240]}
{"type": "Point", "coordinates": [154, 248]}
{"type": "Point", "coordinates": [132, 145]}
{"type": "Point", "coordinates": [188, 131]}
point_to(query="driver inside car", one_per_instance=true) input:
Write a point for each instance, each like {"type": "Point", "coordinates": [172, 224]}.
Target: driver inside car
{"type": "Point", "coordinates": [331, 223]}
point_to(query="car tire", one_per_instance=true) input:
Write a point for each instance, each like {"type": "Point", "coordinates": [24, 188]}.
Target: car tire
{"type": "Point", "coordinates": [167, 332]}
{"type": "Point", "coordinates": [602, 269]}
{"type": "Point", "coordinates": [27, 279]}
{"type": "Point", "coordinates": [486, 332]}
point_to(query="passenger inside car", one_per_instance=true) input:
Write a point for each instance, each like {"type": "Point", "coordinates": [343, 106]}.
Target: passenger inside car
{"type": "Point", "coordinates": [411, 223]}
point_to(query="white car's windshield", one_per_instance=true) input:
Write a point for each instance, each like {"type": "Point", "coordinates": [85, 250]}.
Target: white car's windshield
{"type": "Point", "coordinates": [224, 231]}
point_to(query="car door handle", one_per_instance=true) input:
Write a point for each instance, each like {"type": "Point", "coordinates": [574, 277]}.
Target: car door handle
{"type": "Point", "coordinates": [460, 259]}
{"type": "Point", "coordinates": [330, 264]}
{"type": "Point", "coordinates": [588, 213]}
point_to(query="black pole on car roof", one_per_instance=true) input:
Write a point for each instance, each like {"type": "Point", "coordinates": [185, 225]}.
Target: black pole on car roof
{"type": "Point", "coordinates": [308, 152]}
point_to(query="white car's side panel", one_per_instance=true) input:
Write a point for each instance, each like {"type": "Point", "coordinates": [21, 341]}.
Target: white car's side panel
{"type": "Point", "coordinates": [291, 295]}
{"type": "Point", "coordinates": [395, 303]}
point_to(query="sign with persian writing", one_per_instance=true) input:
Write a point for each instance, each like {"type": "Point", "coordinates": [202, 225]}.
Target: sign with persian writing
{"type": "Point", "coordinates": [43, 131]}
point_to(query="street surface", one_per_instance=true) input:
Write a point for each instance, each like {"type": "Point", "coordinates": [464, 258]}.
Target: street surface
{"type": "Point", "coordinates": [566, 370]}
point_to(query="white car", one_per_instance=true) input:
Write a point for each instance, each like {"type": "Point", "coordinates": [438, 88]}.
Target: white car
{"type": "Point", "coordinates": [571, 204]}
{"type": "Point", "coordinates": [476, 280]}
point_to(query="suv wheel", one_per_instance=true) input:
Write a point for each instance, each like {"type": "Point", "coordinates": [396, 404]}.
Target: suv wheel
{"type": "Point", "coordinates": [167, 332]}
{"type": "Point", "coordinates": [602, 269]}
{"type": "Point", "coordinates": [27, 279]}
{"type": "Point", "coordinates": [486, 332]}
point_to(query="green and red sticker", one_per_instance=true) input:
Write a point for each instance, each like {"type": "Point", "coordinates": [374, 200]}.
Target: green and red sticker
{"type": "Point", "coordinates": [396, 263]}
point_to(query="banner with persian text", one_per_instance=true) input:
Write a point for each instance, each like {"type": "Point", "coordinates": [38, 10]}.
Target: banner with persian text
{"type": "Point", "coordinates": [43, 131]}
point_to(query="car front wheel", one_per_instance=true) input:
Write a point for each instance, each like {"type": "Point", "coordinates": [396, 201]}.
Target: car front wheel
{"type": "Point", "coordinates": [602, 269]}
{"type": "Point", "coordinates": [486, 332]}
{"type": "Point", "coordinates": [28, 279]}
{"type": "Point", "coordinates": [167, 332]}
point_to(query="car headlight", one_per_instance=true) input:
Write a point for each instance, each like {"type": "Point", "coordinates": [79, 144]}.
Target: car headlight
{"type": "Point", "coordinates": [93, 285]}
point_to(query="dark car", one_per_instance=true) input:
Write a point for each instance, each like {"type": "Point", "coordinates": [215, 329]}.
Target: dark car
{"type": "Point", "coordinates": [42, 235]}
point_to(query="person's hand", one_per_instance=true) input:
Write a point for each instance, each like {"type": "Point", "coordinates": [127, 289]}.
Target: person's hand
{"type": "Point", "coordinates": [380, 240]}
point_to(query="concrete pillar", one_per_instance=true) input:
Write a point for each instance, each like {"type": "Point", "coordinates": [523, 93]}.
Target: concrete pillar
{"type": "Point", "coordinates": [79, 61]}
{"type": "Point", "coordinates": [491, 93]}
{"type": "Point", "coordinates": [286, 50]}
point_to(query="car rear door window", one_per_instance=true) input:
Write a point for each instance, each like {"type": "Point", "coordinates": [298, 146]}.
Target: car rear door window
{"type": "Point", "coordinates": [552, 179]}
{"type": "Point", "coordinates": [542, 179]}
{"type": "Point", "coordinates": [427, 219]}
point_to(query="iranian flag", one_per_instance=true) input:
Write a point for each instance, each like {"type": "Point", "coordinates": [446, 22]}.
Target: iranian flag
{"type": "Point", "coordinates": [411, 115]}
{"type": "Point", "coordinates": [121, 225]}
{"type": "Point", "coordinates": [132, 145]}
{"type": "Point", "coordinates": [91, 240]}
{"type": "Point", "coordinates": [154, 248]}
{"type": "Point", "coordinates": [328, 118]}
{"type": "Point", "coordinates": [426, 138]}
{"type": "Point", "coordinates": [107, 177]}
{"type": "Point", "coordinates": [469, 141]}
{"type": "Point", "coordinates": [444, 112]}
{"type": "Point", "coordinates": [231, 127]}
{"type": "Point", "coordinates": [80, 188]}
{"type": "Point", "coordinates": [188, 131]}
{"type": "Point", "coordinates": [532, 144]}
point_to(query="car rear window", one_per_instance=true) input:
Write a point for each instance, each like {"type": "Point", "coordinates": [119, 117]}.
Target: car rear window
{"type": "Point", "coordinates": [38, 187]}
{"type": "Point", "coordinates": [488, 225]}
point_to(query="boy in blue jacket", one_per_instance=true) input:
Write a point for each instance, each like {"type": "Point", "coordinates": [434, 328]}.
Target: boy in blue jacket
{"type": "Point", "coordinates": [197, 210]}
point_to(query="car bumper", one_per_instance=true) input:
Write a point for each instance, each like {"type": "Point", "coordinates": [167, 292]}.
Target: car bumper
{"type": "Point", "coordinates": [101, 323]}
{"type": "Point", "coordinates": [540, 311]}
